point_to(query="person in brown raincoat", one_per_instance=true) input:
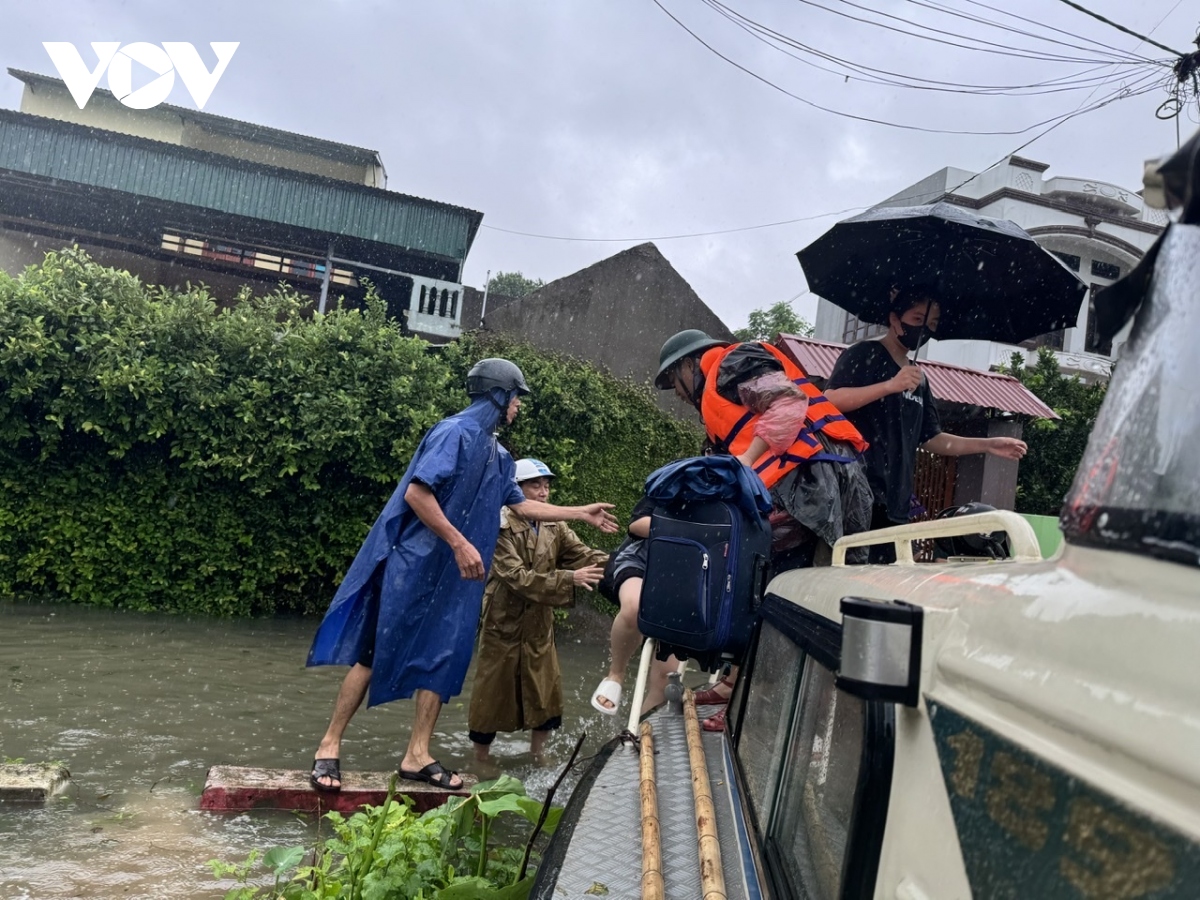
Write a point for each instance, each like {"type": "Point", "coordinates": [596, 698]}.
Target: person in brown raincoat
{"type": "Point", "coordinates": [536, 568]}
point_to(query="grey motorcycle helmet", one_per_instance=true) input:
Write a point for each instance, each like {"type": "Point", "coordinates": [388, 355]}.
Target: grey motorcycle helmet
{"type": "Point", "coordinates": [495, 373]}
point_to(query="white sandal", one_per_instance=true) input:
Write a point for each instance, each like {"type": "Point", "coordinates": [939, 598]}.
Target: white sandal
{"type": "Point", "coordinates": [611, 691]}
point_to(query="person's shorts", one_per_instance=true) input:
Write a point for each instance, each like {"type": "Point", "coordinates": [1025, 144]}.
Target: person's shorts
{"type": "Point", "coordinates": [486, 737]}
{"type": "Point", "coordinates": [622, 576]}
{"type": "Point", "coordinates": [628, 562]}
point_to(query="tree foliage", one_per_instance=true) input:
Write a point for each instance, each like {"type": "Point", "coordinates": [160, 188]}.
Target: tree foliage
{"type": "Point", "coordinates": [159, 452]}
{"type": "Point", "coordinates": [513, 284]}
{"type": "Point", "coordinates": [764, 324]}
{"type": "Point", "coordinates": [1055, 448]}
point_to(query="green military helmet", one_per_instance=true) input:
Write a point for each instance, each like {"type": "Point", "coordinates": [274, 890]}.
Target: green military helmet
{"type": "Point", "coordinates": [677, 346]}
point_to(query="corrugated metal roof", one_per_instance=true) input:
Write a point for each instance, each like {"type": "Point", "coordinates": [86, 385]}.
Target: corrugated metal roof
{"type": "Point", "coordinates": [954, 384]}
{"type": "Point", "coordinates": [48, 148]}
{"type": "Point", "coordinates": [235, 127]}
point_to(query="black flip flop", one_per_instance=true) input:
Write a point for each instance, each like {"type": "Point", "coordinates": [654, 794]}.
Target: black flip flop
{"type": "Point", "coordinates": [436, 774]}
{"type": "Point", "coordinates": [326, 768]}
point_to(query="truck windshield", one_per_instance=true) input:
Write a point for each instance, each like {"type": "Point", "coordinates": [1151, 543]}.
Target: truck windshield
{"type": "Point", "coordinates": [1138, 487]}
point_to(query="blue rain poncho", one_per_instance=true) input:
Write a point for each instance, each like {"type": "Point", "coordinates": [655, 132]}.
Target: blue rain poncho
{"type": "Point", "coordinates": [424, 613]}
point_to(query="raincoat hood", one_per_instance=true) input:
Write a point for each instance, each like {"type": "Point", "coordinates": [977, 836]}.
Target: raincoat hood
{"type": "Point", "coordinates": [487, 410]}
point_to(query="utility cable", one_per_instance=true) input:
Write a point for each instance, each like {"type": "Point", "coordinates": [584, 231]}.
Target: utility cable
{"type": "Point", "coordinates": [842, 113]}
{"type": "Point", "coordinates": [1136, 89]}
{"type": "Point", "coordinates": [1141, 37]}
{"type": "Point", "coordinates": [825, 215]}
{"type": "Point", "coordinates": [1048, 26]}
{"type": "Point", "coordinates": [674, 237]}
{"type": "Point", "coordinates": [1024, 53]}
{"type": "Point", "coordinates": [872, 75]}
{"type": "Point", "coordinates": [748, 23]}
{"type": "Point", "coordinates": [983, 20]}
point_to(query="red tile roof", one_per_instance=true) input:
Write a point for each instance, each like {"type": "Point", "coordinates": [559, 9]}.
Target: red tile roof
{"type": "Point", "coordinates": [954, 384]}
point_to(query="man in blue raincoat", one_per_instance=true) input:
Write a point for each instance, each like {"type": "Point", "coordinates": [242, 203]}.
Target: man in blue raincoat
{"type": "Point", "coordinates": [405, 616]}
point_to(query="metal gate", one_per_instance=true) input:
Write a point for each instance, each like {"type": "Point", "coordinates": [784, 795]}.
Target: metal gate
{"type": "Point", "coordinates": [933, 483]}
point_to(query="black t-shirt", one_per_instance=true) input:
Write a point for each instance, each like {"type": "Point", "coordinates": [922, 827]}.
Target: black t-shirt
{"type": "Point", "coordinates": [895, 426]}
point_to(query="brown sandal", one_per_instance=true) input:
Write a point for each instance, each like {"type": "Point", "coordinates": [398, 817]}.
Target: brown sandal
{"type": "Point", "coordinates": [715, 722]}
{"type": "Point", "coordinates": [710, 696]}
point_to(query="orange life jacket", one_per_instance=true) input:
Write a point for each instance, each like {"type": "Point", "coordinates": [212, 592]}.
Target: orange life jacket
{"type": "Point", "coordinates": [731, 425]}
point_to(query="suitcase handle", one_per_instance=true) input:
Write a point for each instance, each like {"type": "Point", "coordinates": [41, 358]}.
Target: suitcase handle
{"type": "Point", "coordinates": [760, 581]}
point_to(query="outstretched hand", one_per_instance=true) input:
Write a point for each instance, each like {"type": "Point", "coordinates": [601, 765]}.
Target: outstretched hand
{"type": "Point", "coordinates": [587, 577]}
{"type": "Point", "coordinates": [1007, 448]}
{"type": "Point", "coordinates": [598, 514]}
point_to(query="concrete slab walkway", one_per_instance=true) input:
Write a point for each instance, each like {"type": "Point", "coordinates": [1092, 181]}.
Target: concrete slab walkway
{"type": "Point", "coordinates": [240, 788]}
{"type": "Point", "coordinates": [31, 782]}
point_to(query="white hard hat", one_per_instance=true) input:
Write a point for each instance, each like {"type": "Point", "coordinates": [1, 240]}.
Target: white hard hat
{"type": "Point", "coordinates": [532, 468]}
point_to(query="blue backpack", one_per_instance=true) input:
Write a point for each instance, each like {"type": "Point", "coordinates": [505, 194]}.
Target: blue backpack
{"type": "Point", "coordinates": [706, 560]}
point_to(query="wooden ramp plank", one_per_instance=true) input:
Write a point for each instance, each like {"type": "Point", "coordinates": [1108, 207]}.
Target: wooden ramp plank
{"type": "Point", "coordinates": [241, 788]}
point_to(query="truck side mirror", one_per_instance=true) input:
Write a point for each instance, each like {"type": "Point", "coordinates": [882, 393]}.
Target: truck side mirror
{"type": "Point", "coordinates": [881, 650]}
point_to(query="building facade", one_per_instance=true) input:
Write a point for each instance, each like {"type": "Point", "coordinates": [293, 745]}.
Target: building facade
{"type": "Point", "coordinates": [1099, 231]}
{"type": "Point", "coordinates": [179, 196]}
{"type": "Point", "coordinates": [615, 314]}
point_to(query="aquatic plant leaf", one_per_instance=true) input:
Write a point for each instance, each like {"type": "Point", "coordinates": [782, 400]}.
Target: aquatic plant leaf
{"type": "Point", "coordinates": [503, 803]}
{"type": "Point", "coordinates": [482, 889]}
{"type": "Point", "coordinates": [280, 859]}
{"type": "Point", "coordinates": [505, 784]}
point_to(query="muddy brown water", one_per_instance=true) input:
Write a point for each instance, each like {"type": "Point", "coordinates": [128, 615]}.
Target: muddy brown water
{"type": "Point", "coordinates": [138, 706]}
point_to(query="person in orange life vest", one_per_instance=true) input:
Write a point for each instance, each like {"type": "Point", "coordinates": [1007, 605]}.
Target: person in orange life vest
{"type": "Point", "coordinates": [759, 406]}
{"type": "Point", "coordinates": [889, 401]}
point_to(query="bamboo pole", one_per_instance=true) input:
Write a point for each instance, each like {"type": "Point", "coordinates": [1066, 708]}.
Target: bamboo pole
{"type": "Point", "coordinates": [712, 876]}
{"type": "Point", "coordinates": [652, 879]}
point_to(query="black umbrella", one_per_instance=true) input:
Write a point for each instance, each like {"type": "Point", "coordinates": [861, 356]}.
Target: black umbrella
{"type": "Point", "coordinates": [993, 280]}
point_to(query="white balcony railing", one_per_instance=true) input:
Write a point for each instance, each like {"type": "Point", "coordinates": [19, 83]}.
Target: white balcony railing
{"type": "Point", "coordinates": [1088, 366]}
{"type": "Point", "coordinates": [435, 307]}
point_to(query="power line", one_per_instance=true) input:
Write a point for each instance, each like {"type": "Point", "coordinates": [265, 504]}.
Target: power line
{"type": "Point", "coordinates": [1141, 37]}
{"type": "Point", "coordinates": [1001, 50]}
{"type": "Point", "coordinates": [1081, 110]}
{"type": "Point", "coordinates": [674, 237]}
{"type": "Point", "coordinates": [1138, 88]}
{"type": "Point", "coordinates": [1077, 81]}
{"type": "Point", "coordinates": [1050, 27]}
{"type": "Point", "coordinates": [842, 113]}
{"type": "Point", "coordinates": [853, 209]}
{"type": "Point", "coordinates": [983, 20]}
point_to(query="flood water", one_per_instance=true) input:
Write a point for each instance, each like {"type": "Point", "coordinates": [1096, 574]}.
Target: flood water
{"type": "Point", "coordinates": [139, 706]}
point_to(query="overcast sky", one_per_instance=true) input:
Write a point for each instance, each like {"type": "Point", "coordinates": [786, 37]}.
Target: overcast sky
{"type": "Point", "coordinates": [605, 119]}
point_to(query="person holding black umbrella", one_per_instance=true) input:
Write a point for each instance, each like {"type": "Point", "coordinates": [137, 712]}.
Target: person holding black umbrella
{"type": "Point", "coordinates": [888, 400]}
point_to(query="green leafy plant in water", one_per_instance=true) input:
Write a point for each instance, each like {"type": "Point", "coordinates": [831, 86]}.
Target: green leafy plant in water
{"type": "Point", "coordinates": [390, 851]}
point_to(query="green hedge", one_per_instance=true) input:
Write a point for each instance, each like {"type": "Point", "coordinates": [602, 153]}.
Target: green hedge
{"type": "Point", "coordinates": [160, 452]}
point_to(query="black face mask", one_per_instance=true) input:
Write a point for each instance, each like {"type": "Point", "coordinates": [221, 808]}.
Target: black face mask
{"type": "Point", "coordinates": [914, 337]}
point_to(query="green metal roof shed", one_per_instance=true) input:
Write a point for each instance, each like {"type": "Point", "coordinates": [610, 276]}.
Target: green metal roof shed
{"type": "Point", "coordinates": [156, 171]}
